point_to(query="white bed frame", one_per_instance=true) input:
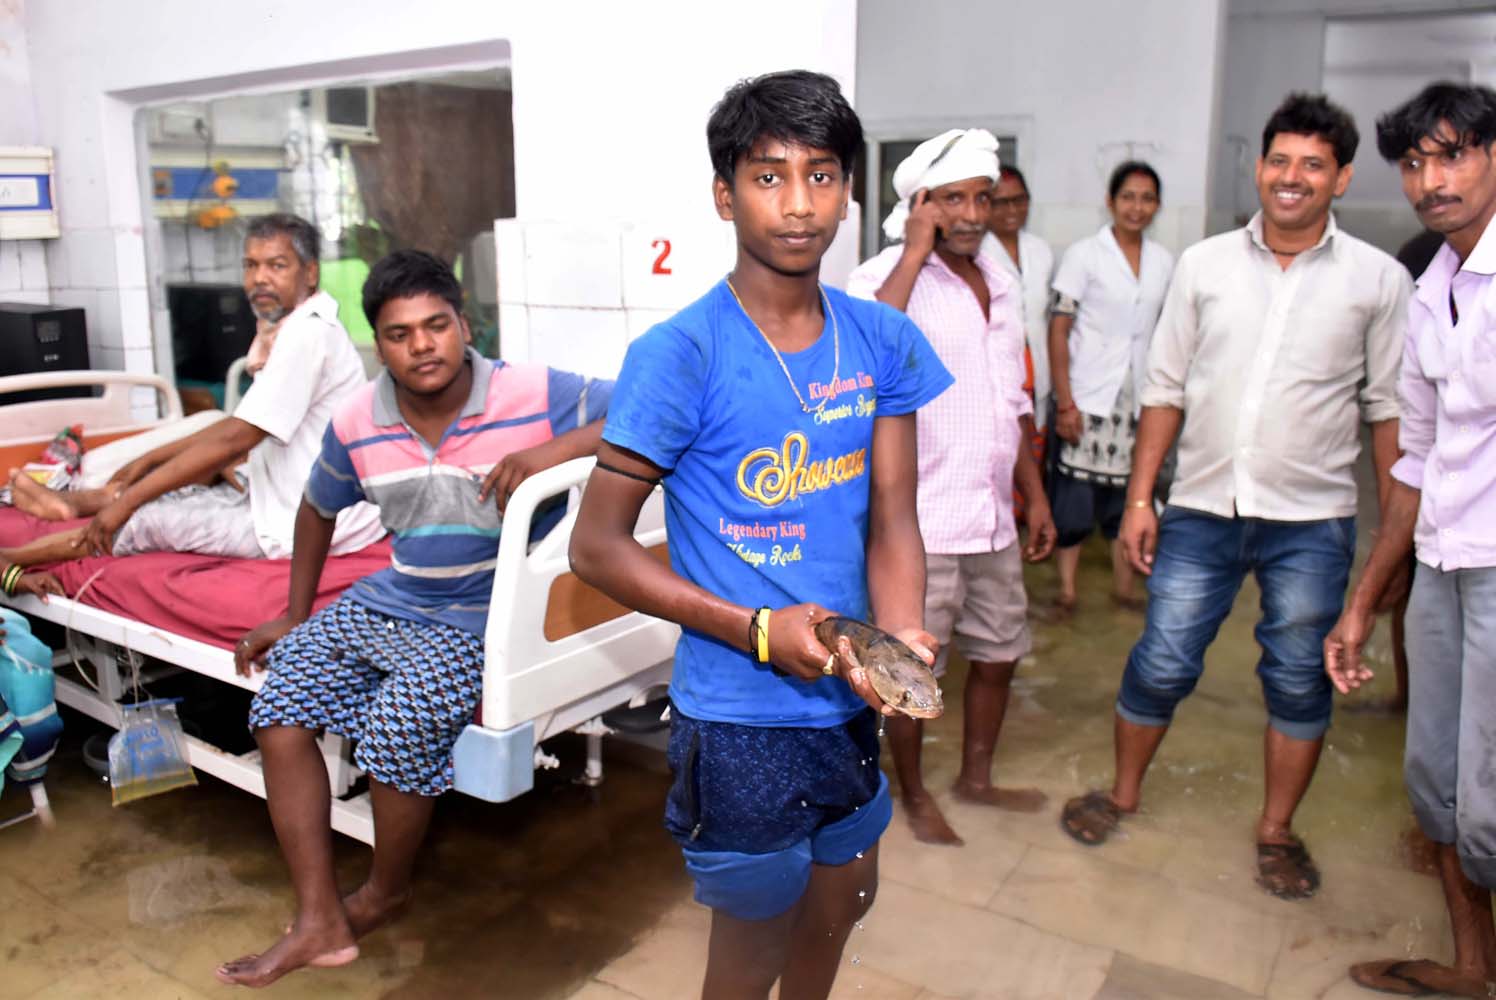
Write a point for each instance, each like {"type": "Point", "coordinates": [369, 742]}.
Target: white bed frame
{"type": "Point", "coordinates": [534, 687]}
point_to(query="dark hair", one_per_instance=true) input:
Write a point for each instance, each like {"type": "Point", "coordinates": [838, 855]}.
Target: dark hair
{"type": "Point", "coordinates": [304, 237]}
{"type": "Point", "coordinates": [1013, 173]}
{"type": "Point", "coordinates": [405, 273]}
{"type": "Point", "coordinates": [1313, 114]}
{"type": "Point", "coordinates": [1469, 109]}
{"type": "Point", "coordinates": [1125, 170]}
{"type": "Point", "coordinates": [796, 106]}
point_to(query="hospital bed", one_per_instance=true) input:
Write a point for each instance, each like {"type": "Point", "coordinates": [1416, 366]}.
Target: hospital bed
{"type": "Point", "coordinates": [558, 654]}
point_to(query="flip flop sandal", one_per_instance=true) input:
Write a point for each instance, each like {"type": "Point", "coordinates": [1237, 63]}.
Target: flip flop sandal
{"type": "Point", "coordinates": [1281, 867]}
{"type": "Point", "coordinates": [1091, 818]}
{"type": "Point", "coordinates": [1408, 978]}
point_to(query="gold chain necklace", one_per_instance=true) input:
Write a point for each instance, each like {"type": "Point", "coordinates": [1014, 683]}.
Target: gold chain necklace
{"type": "Point", "coordinates": [835, 346]}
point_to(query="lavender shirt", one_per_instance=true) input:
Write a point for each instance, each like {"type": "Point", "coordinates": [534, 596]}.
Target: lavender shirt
{"type": "Point", "coordinates": [1448, 390]}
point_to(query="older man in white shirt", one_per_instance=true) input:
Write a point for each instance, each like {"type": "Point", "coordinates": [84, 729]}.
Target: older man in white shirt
{"type": "Point", "coordinates": [1275, 342]}
{"type": "Point", "coordinates": [168, 500]}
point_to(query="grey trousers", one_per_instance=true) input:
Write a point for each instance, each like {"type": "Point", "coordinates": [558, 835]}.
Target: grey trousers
{"type": "Point", "coordinates": [1450, 760]}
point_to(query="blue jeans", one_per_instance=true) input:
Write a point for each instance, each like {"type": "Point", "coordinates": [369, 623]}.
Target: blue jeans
{"type": "Point", "coordinates": [1302, 568]}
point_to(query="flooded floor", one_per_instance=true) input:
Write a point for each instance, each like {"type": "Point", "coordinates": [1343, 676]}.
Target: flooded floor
{"type": "Point", "coordinates": [578, 892]}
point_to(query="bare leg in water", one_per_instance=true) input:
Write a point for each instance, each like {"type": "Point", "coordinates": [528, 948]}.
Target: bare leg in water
{"type": "Point", "coordinates": [1124, 578]}
{"type": "Point", "coordinates": [1067, 562]}
{"type": "Point", "coordinates": [802, 948]}
{"type": "Point", "coordinates": [300, 802]}
{"type": "Point", "coordinates": [326, 928]}
{"type": "Point", "coordinates": [906, 740]}
{"type": "Point", "coordinates": [987, 690]}
{"type": "Point", "coordinates": [1474, 968]}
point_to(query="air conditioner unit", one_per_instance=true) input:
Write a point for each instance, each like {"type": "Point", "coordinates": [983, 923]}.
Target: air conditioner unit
{"type": "Point", "coordinates": [346, 112]}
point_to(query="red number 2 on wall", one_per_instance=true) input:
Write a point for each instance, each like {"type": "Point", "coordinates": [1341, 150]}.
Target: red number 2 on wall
{"type": "Point", "coordinates": [659, 264]}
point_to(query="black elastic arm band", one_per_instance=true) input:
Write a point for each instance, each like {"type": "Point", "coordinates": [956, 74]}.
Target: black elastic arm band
{"type": "Point", "coordinates": [653, 481]}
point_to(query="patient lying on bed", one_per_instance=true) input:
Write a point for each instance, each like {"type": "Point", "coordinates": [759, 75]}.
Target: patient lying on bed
{"type": "Point", "coordinates": [189, 496]}
{"type": "Point", "coordinates": [437, 442]}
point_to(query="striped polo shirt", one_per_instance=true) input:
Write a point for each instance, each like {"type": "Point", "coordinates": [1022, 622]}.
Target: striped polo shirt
{"type": "Point", "coordinates": [445, 540]}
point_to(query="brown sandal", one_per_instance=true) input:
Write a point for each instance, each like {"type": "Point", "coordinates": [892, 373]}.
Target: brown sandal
{"type": "Point", "coordinates": [1286, 870]}
{"type": "Point", "coordinates": [1417, 977]}
{"type": "Point", "coordinates": [1091, 818]}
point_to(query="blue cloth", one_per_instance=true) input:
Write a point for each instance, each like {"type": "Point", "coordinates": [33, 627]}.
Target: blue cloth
{"type": "Point", "coordinates": [404, 690]}
{"type": "Point", "coordinates": [766, 504]}
{"type": "Point", "coordinates": [1302, 569]}
{"type": "Point", "coordinates": [445, 538]}
{"type": "Point", "coordinates": [1078, 506]}
{"type": "Point", "coordinates": [753, 807]}
{"type": "Point", "coordinates": [26, 701]}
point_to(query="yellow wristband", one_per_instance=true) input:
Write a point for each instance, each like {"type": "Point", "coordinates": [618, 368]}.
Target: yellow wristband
{"type": "Point", "coordinates": [763, 634]}
{"type": "Point", "coordinates": [1140, 504]}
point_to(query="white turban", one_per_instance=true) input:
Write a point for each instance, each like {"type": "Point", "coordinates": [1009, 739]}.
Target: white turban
{"type": "Point", "coordinates": [949, 157]}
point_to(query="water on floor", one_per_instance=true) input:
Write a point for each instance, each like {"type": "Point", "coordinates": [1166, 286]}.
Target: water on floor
{"type": "Point", "coordinates": [577, 892]}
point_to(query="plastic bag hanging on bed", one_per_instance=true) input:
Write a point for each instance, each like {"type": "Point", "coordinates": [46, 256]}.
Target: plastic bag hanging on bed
{"type": "Point", "coordinates": [148, 755]}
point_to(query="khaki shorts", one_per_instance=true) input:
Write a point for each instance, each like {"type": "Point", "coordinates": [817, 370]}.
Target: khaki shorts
{"type": "Point", "coordinates": [978, 598]}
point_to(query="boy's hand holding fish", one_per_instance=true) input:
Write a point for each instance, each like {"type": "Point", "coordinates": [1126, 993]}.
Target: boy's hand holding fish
{"type": "Point", "coordinates": [889, 672]}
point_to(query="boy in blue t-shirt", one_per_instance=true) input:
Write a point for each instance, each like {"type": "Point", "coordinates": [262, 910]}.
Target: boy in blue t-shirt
{"type": "Point", "coordinates": [780, 415]}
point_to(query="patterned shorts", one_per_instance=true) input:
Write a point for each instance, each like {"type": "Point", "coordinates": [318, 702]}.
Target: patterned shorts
{"type": "Point", "coordinates": [404, 690]}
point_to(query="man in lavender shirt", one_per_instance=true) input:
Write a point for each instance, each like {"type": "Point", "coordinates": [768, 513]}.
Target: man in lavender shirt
{"type": "Point", "coordinates": [1443, 501]}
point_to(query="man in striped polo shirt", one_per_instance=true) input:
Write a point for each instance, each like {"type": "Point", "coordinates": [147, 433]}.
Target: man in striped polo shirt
{"type": "Point", "coordinates": [437, 442]}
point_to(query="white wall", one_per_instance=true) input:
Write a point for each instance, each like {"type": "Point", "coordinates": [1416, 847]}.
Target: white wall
{"type": "Point", "coordinates": [1277, 46]}
{"type": "Point", "coordinates": [23, 264]}
{"type": "Point", "coordinates": [1077, 79]}
{"type": "Point", "coordinates": [610, 102]}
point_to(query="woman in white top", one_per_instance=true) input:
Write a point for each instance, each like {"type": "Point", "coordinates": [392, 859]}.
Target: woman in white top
{"type": "Point", "coordinates": [1108, 292]}
{"type": "Point", "coordinates": [1029, 259]}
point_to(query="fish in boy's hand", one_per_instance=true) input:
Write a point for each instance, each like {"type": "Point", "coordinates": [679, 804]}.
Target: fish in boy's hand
{"type": "Point", "coordinates": [895, 671]}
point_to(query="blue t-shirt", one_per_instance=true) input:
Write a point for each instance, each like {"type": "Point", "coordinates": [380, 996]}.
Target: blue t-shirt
{"type": "Point", "coordinates": [766, 504]}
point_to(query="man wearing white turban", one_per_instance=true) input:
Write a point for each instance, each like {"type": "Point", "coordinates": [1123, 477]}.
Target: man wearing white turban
{"type": "Point", "coordinates": [972, 446]}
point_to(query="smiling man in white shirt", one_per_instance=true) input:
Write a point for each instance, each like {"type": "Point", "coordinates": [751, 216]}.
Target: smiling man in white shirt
{"type": "Point", "coordinates": [1275, 342]}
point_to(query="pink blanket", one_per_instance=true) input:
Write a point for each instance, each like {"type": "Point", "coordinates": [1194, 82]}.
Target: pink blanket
{"type": "Point", "coordinates": [202, 597]}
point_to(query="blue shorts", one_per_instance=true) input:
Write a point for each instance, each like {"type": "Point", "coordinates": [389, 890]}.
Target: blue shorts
{"type": "Point", "coordinates": [1078, 506]}
{"type": "Point", "coordinates": [404, 690]}
{"type": "Point", "coordinates": [753, 807]}
{"type": "Point", "coordinates": [1302, 568]}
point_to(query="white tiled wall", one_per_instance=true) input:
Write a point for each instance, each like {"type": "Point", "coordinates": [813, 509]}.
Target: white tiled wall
{"type": "Point", "coordinates": [23, 272]}
{"type": "Point", "coordinates": [574, 295]}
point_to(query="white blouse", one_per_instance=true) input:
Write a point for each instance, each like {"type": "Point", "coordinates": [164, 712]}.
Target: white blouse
{"type": "Point", "coordinates": [1032, 271]}
{"type": "Point", "coordinates": [1118, 311]}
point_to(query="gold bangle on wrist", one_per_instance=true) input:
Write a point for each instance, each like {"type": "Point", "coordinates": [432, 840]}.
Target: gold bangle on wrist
{"type": "Point", "coordinates": [1140, 504]}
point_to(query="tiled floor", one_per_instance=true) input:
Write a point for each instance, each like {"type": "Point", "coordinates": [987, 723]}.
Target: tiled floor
{"type": "Point", "coordinates": [570, 892]}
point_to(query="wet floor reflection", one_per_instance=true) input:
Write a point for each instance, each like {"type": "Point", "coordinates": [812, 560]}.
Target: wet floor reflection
{"type": "Point", "coordinates": [571, 891]}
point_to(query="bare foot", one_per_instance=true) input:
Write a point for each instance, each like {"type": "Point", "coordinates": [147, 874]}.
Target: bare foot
{"type": "Point", "coordinates": [1061, 609]}
{"type": "Point", "coordinates": [368, 910]}
{"type": "Point", "coordinates": [1130, 602]}
{"type": "Point", "coordinates": [35, 499]}
{"type": "Point", "coordinates": [928, 824]}
{"type": "Point", "coordinates": [1027, 800]}
{"type": "Point", "coordinates": [321, 948]}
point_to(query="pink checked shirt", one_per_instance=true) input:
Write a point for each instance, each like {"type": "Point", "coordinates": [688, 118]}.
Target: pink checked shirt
{"type": "Point", "coordinates": [968, 435]}
{"type": "Point", "coordinates": [1448, 390]}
